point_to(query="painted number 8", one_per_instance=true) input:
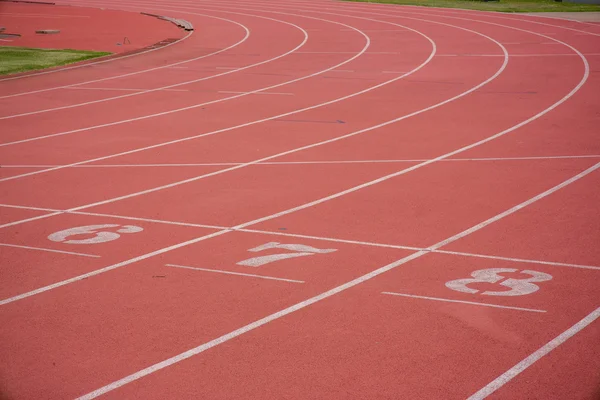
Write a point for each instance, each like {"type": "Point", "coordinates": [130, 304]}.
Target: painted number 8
{"type": "Point", "coordinates": [519, 287]}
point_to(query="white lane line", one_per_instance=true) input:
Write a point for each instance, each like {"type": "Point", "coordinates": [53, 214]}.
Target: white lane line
{"type": "Point", "coordinates": [535, 356]}
{"type": "Point", "coordinates": [344, 52]}
{"type": "Point", "coordinates": [273, 278]}
{"type": "Point", "coordinates": [272, 93]}
{"type": "Point", "coordinates": [517, 260]}
{"type": "Point", "coordinates": [48, 250]}
{"type": "Point", "coordinates": [23, 221]}
{"type": "Point", "coordinates": [123, 89]}
{"type": "Point", "coordinates": [324, 52]}
{"type": "Point", "coordinates": [408, 160]}
{"type": "Point", "coordinates": [298, 306]}
{"type": "Point", "coordinates": [321, 238]}
{"type": "Point", "coordinates": [118, 165]}
{"type": "Point", "coordinates": [378, 30]}
{"type": "Point", "coordinates": [45, 15]}
{"type": "Point", "coordinates": [471, 55]}
{"type": "Point", "coordinates": [70, 106]}
{"type": "Point", "coordinates": [463, 302]}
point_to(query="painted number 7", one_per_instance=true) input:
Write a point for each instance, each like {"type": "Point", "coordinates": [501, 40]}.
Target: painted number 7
{"type": "Point", "coordinates": [299, 249]}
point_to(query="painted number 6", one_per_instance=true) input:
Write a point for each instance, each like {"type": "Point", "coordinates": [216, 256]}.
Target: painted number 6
{"type": "Point", "coordinates": [101, 235]}
{"type": "Point", "coordinates": [519, 287]}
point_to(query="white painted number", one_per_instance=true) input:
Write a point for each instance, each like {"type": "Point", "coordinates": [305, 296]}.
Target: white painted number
{"type": "Point", "coordinates": [300, 251]}
{"type": "Point", "coordinates": [100, 230]}
{"type": "Point", "coordinates": [518, 287]}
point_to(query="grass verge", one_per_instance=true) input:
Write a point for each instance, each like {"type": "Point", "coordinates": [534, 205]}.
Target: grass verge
{"type": "Point", "coordinates": [22, 59]}
{"type": "Point", "coordinates": [502, 5]}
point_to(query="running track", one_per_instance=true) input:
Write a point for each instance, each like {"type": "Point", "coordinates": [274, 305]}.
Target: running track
{"type": "Point", "coordinates": [293, 203]}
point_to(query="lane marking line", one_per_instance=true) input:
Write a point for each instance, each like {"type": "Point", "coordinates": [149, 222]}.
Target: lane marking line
{"type": "Point", "coordinates": [518, 260]}
{"type": "Point", "coordinates": [463, 302]}
{"type": "Point", "coordinates": [320, 238]}
{"type": "Point", "coordinates": [301, 162]}
{"type": "Point", "coordinates": [535, 356]}
{"type": "Point", "coordinates": [49, 250]}
{"type": "Point", "coordinates": [123, 89]}
{"type": "Point", "coordinates": [272, 93]}
{"type": "Point", "coordinates": [235, 273]}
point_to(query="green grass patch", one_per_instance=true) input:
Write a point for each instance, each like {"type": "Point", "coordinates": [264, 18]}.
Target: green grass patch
{"type": "Point", "coordinates": [21, 59]}
{"type": "Point", "coordinates": [502, 5]}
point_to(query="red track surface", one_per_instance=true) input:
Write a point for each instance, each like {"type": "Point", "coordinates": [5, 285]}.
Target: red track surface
{"type": "Point", "coordinates": [409, 147]}
{"type": "Point", "coordinates": [82, 28]}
